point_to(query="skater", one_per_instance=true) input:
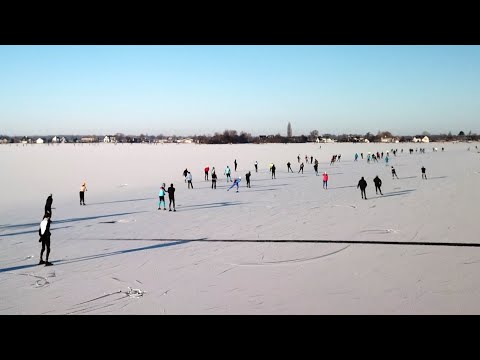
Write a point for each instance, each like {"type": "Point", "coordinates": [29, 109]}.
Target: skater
{"type": "Point", "coordinates": [394, 173]}
{"type": "Point", "coordinates": [361, 155]}
{"type": "Point", "coordinates": [273, 171]}
{"type": "Point", "coordinates": [301, 168]}
{"type": "Point", "coordinates": [83, 188]}
{"type": "Point", "coordinates": [171, 197]}
{"type": "Point", "coordinates": [235, 163]}
{"type": "Point", "coordinates": [214, 180]}
{"type": "Point", "coordinates": [289, 168]}
{"type": "Point", "coordinates": [325, 180]}
{"type": "Point", "coordinates": [44, 232]}
{"type": "Point", "coordinates": [185, 172]}
{"type": "Point", "coordinates": [362, 184]}
{"type": "Point", "coordinates": [339, 157]}
{"type": "Point", "coordinates": [311, 159]}
{"type": "Point", "coordinates": [206, 170]}
{"type": "Point", "coordinates": [189, 180]}
{"type": "Point", "coordinates": [235, 183]}
{"type": "Point", "coordinates": [298, 158]}
{"type": "Point", "coordinates": [48, 205]}
{"type": "Point", "coordinates": [378, 185]}
{"type": "Point", "coordinates": [161, 198]}
{"type": "Point", "coordinates": [315, 167]}
{"type": "Point", "coordinates": [356, 157]}
{"type": "Point", "coordinates": [424, 175]}
{"type": "Point", "coordinates": [306, 159]}
{"type": "Point", "coordinates": [386, 160]}
{"type": "Point", "coordinates": [228, 172]}
{"type": "Point", "coordinates": [256, 166]}
{"type": "Point", "coordinates": [247, 177]}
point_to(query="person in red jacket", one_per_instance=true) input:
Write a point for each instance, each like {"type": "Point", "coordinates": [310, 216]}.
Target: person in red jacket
{"type": "Point", "coordinates": [325, 180]}
{"type": "Point", "coordinates": [206, 170]}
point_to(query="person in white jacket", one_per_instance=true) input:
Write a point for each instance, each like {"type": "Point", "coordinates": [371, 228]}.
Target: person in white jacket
{"type": "Point", "coordinates": [228, 172]}
{"type": "Point", "coordinates": [44, 232]}
{"type": "Point", "coordinates": [189, 180]}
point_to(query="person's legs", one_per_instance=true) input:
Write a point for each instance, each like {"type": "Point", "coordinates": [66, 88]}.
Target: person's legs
{"type": "Point", "coordinates": [47, 243]}
{"type": "Point", "coordinates": [41, 252]}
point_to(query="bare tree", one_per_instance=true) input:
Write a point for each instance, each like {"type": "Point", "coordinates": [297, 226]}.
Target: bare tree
{"type": "Point", "coordinates": [313, 135]}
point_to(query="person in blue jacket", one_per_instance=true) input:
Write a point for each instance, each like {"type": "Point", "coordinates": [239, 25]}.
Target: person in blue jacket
{"type": "Point", "coordinates": [236, 183]}
{"type": "Point", "coordinates": [161, 198]}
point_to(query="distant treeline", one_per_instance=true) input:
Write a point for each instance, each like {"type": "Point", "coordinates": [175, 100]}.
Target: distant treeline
{"type": "Point", "coordinates": [233, 137]}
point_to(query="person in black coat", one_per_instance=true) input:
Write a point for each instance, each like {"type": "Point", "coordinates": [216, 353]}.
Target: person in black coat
{"type": "Point", "coordinates": [289, 168]}
{"type": "Point", "coordinates": [378, 185]}
{"type": "Point", "coordinates": [171, 198]}
{"type": "Point", "coordinates": [362, 184]}
{"type": "Point", "coordinates": [48, 205]}
{"type": "Point", "coordinates": [44, 232]}
{"type": "Point", "coordinates": [247, 176]}
{"type": "Point", "coordinates": [424, 175]}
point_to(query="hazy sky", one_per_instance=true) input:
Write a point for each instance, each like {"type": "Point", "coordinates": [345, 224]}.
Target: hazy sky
{"type": "Point", "coordinates": [202, 89]}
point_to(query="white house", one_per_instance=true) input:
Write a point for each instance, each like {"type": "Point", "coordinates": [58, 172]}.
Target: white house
{"type": "Point", "coordinates": [39, 141]}
{"type": "Point", "coordinates": [63, 140]}
{"type": "Point", "coordinates": [367, 141]}
{"type": "Point", "coordinates": [3, 141]}
{"type": "Point", "coordinates": [55, 139]}
{"type": "Point", "coordinates": [425, 139]}
{"type": "Point", "coordinates": [106, 139]}
{"type": "Point", "coordinates": [415, 140]}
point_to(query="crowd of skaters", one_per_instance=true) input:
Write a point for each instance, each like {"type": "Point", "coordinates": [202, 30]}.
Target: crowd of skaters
{"type": "Point", "coordinates": [44, 228]}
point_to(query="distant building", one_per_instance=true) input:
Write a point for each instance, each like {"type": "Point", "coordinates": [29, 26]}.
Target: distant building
{"type": "Point", "coordinates": [289, 130]}
{"type": "Point", "coordinates": [416, 140]}
{"type": "Point", "coordinates": [55, 139]}
{"type": "Point", "coordinates": [327, 140]}
{"type": "Point", "coordinates": [3, 141]}
{"type": "Point", "coordinates": [87, 139]}
{"type": "Point", "coordinates": [39, 141]}
{"type": "Point", "coordinates": [109, 139]}
{"type": "Point", "coordinates": [367, 141]}
{"type": "Point", "coordinates": [425, 139]}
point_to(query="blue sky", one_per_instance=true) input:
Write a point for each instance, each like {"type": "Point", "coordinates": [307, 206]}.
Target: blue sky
{"type": "Point", "coordinates": [202, 89]}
